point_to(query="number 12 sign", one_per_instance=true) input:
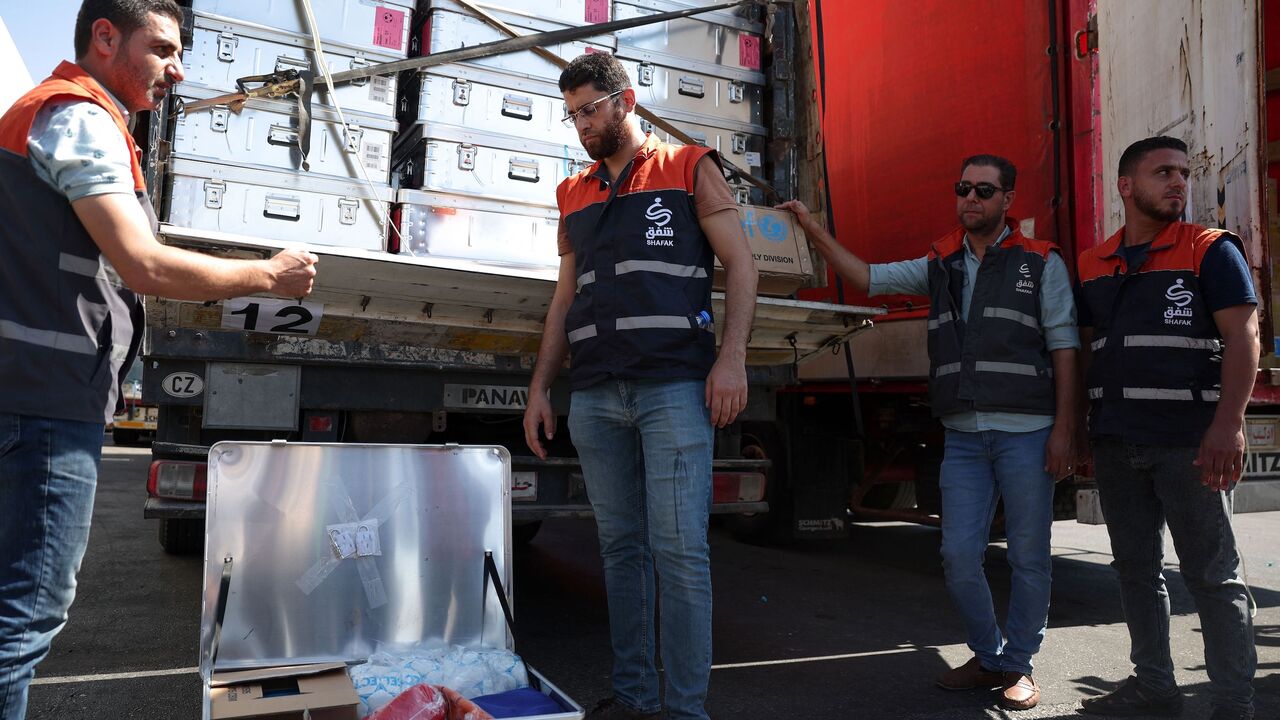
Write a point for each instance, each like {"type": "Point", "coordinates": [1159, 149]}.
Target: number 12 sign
{"type": "Point", "coordinates": [288, 317]}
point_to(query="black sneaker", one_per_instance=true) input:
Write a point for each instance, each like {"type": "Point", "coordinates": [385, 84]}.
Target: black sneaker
{"type": "Point", "coordinates": [611, 709]}
{"type": "Point", "coordinates": [1222, 713]}
{"type": "Point", "coordinates": [1131, 698]}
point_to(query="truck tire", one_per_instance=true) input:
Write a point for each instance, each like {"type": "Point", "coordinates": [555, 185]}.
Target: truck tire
{"type": "Point", "coordinates": [181, 537]}
{"type": "Point", "coordinates": [760, 441]}
{"type": "Point", "coordinates": [121, 436]}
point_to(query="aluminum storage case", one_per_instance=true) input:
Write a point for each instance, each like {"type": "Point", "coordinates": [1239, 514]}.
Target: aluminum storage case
{"type": "Point", "coordinates": [223, 51]}
{"type": "Point", "coordinates": [281, 206]}
{"type": "Point", "coordinates": [481, 99]}
{"type": "Point", "coordinates": [377, 26]}
{"type": "Point", "coordinates": [458, 226]}
{"type": "Point", "coordinates": [743, 149]}
{"type": "Point", "coordinates": [680, 93]}
{"type": "Point", "coordinates": [444, 158]}
{"type": "Point", "coordinates": [264, 134]}
{"type": "Point", "coordinates": [715, 43]}
{"type": "Point", "coordinates": [449, 26]}
{"type": "Point", "coordinates": [435, 512]}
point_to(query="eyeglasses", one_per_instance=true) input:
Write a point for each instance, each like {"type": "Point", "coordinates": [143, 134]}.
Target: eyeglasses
{"type": "Point", "coordinates": [985, 190]}
{"type": "Point", "coordinates": [588, 110]}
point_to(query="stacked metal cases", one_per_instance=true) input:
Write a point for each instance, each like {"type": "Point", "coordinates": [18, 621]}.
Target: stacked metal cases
{"type": "Point", "coordinates": [483, 145]}
{"type": "Point", "coordinates": [703, 74]}
{"type": "Point", "coordinates": [242, 170]}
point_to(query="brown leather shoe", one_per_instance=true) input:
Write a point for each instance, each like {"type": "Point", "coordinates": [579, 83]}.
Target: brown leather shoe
{"type": "Point", "coordinates": [969, 676]}
{"type": "Point", "coordinates": [1020, 692]}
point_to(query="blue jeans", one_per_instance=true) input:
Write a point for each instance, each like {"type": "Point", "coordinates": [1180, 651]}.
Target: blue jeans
{"type": "Point", "coordinates": [978, 469]}
{"type": "Point", "coordinates": [646, 448]}
{"type": "Point", "coordinates": [1143, 488]}
{"type": "Point", "coordinates": [48, 473]}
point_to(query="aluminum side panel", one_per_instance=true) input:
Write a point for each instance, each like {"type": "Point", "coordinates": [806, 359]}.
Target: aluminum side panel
{"type": "Point", "coordinates": [379, 26]}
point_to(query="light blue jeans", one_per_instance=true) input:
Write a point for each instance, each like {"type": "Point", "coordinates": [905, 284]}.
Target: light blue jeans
{"type": "Point", "coordinates": [48, 473]}
{"type": "Point", "coordinates": [979, 469]}
{"type": "Point", "coordinates": [646, 448]}
{"type": "Point", "coordinates": [1143, 488]}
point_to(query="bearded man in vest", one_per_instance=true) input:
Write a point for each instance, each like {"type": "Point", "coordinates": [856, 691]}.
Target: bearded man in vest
{"type": "Point", "coordinates": [1002, 379]}
{"type": "Point", "coordinates": [1168, 316]}
{"type": "Point", "coordinates": [77, 238]}
{"type": "Point", "coordinates": [639, 231]}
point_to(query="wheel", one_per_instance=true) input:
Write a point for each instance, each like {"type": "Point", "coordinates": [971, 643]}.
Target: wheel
{"type": "Point", "coordinates": [524, 533]}
{"type": "Point", "coordinates": [759, 442]}
{"type": "Point", "coordinates": [181, 537]}
{"type": "Point", "coordinates": [121, 436]}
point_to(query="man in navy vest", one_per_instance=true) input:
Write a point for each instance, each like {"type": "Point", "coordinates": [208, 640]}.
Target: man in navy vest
{"type": "Point", "coordinates": [1002, 379]}
{"type": "Point", "coordinates": [639, 232]}
{"type": "Point", "coordinates": [77, 242]}
{"type": "Point", "coordinates": [1169, 320]}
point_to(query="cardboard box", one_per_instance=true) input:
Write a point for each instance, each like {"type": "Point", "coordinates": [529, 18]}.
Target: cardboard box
{"type": "Point", "coordinates": [321, 691]}
{"type": "Point", "coordinates": [780, 249]}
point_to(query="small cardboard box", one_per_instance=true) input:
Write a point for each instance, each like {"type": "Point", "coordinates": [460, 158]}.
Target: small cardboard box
{"type": "Point", "coordinates": [318, 691]}
{"type": "Point", "coordinates": [780, 249]}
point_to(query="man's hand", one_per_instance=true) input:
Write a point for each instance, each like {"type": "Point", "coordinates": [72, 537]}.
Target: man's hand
{"type": "Point", "coordinates": [726, 391]}
{"type": "Point", "coordinates": [1060, 451]}
{"type": "Point", "coordinates": [1221, 458]}
{"type": "Point", "coordinates": [538, 414]}
{"type": "Point", "coordinates": [799, 210]}
{"type": "Point", "coordinates": [292, 273]}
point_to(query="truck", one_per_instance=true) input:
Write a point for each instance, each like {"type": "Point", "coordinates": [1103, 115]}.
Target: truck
{"type": "Point", "coordinates": [437, 267]}
{"type": "Point", "coordinates": [867, 110]}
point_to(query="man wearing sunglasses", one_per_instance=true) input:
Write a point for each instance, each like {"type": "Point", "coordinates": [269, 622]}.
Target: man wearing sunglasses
{"type": "Point", "coordinates": [1002, 379]}
{"type": "Point", "coordinates": [639, 231]}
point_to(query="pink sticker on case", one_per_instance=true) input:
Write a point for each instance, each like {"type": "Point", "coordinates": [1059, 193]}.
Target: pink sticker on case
{"type": "Point", "coordinates": [596, 11]}
{"type": "Point", "coordinates": [388, 28]}
{"type": "Point", "coordinates": [749, 51]}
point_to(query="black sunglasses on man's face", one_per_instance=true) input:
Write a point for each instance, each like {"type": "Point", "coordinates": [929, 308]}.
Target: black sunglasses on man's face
{"type": "Point", "coordinates": [985, 190]}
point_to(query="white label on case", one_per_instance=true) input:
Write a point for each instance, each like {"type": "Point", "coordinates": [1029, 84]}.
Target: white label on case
{"type": "Point", "coordinates": [753, 159]}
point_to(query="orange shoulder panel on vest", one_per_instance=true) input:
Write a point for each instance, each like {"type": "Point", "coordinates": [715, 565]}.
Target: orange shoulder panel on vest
{"type": "Point", "coordinates": [1179, 247]}
{"type": "Point", "coordinates": [948, 244]}
{"type": "Point", "coordinates": [1039, 247]}
{"type": "Point", "coordinates": [68, 81]}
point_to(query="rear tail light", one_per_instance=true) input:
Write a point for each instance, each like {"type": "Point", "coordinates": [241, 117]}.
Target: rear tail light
{"type": "Point", "coordinates": [178, 480]}
{"type": "Point", "coordinates": [731, 487]}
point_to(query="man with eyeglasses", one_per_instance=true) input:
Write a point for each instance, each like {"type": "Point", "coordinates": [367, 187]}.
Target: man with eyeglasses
{"type": "Point", "coordinates": [1002, 379]}
{"type": "Point", "coordinates": [639, 232]}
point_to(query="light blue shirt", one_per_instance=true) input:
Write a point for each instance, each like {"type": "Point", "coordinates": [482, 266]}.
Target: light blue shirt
{"type": "Point", "coordinates": [1057, 318]}
{"type": "Point", "coordinates": [76, 147]}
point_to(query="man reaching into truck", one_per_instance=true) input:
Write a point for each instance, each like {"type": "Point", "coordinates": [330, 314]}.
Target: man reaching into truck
{"type": "Point", "coordinates": [632, 306]}
{"type": "Point", "coordinates": [1169, 319]}
{"type": "Point", "coordinates": [1002, 379]}
{"type": "Point", "coordinates": [77, 238]}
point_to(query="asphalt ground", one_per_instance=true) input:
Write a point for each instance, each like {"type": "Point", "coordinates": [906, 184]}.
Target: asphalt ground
{"type": "Point", "coordinates": [848, 629]}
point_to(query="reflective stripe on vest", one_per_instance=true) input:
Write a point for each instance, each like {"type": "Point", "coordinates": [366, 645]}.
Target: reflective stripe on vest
{"type": "Point", "coordinates": [1014, 315]}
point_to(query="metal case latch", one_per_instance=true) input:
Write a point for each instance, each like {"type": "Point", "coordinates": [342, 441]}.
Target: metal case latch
{"type": "Point", "coordinates": [466, 156]}
{"type": "Point", "coordinates": [352, 137]}
{"type": "Point", "coordinates": [739, 143]}
{"type": "Point", "coordinates": [219, 117]}
{"type": "Point", "coordinates": [461, 92]}
{"type": "Point", "coordinates": [347, 208]}
{"type": "Point", "coordinates": [517, 106]}
{"type": "Point", "coordinates": [227, 47]}
{"type": "Point", "coordinates": [737, 91]}
{"type": "Point", "coordinates": [213, 192]}
{"type": "Point", "coordinates": [645, 74]}
{"type": "Point", "coordinates": [742, 195]}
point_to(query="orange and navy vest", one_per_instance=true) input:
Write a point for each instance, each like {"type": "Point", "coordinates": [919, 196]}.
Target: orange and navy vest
{"type": "Point", "coordinates": [643, 268]}
{"type": "Point", "coordinates": [1156, 352]}
{"type": "Point", "coordinates": [996, 359]}
{"type": "Point", "coordinates": [69, 328]}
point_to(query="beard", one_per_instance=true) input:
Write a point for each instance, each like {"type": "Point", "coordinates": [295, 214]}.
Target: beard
{"type": "Point", "coordinates": [1151, 207]}
{"type": "Point", "coordinates": [610, 139]}
{"type": "Point", "coordinates": [983, 224]}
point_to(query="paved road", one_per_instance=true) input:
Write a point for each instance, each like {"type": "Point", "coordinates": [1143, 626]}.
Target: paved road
{"type": "Point", "coordinates": [851, 629]}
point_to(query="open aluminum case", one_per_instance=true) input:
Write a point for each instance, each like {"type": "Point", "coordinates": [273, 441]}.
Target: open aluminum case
{"type": "Point", "coordinates": [423, 518]}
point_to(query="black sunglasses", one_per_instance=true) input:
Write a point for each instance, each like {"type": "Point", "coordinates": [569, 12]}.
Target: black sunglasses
{"type": "Point", "coordinates": [985, 190]}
